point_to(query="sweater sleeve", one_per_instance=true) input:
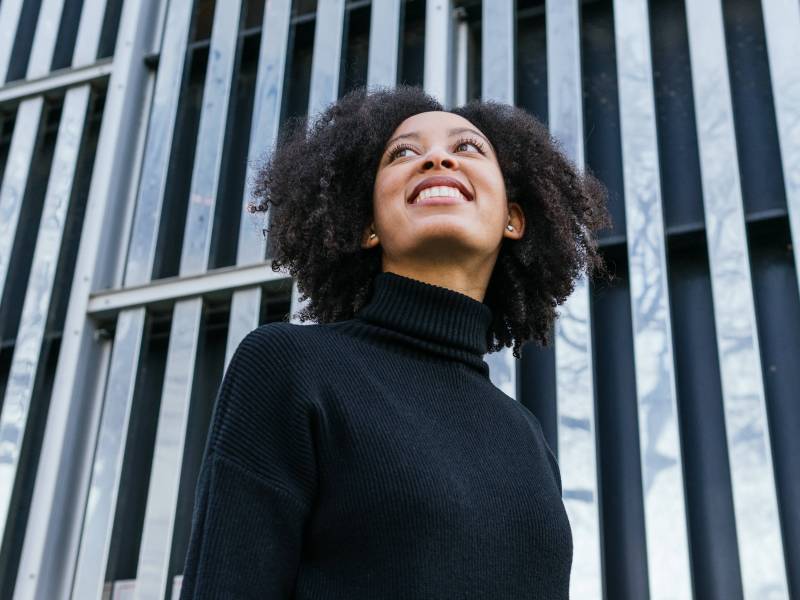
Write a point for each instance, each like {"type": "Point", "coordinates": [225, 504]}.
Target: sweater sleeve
{"type": "Point", "coordinates": [258, 477]}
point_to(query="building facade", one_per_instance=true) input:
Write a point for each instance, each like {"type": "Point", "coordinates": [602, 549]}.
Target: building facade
{"type": "Point", "coordinates": [129, 269]}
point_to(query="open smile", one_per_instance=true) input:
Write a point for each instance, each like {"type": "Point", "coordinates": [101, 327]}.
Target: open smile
{"type": "Point", "coordinates": [440, 189]}
{"type": "Point", "coordinates": [439, 195]}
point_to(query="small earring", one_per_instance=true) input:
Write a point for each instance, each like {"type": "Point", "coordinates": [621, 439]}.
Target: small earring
{"type": "Point", "coordinates": [510, 227]}
{"type": "Point", "coordinates": [372, 236]}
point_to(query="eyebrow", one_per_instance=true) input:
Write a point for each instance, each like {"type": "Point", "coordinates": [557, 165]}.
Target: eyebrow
{"type": "Point", "coordinates": [450, 132]}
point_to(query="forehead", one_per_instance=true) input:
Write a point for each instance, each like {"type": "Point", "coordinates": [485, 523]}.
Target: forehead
{"type": "Point", "coordinates": [432, 122]}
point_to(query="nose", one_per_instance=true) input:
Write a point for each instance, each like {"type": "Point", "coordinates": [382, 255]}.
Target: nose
{"type": "Point", "coordinates": [438, 157]}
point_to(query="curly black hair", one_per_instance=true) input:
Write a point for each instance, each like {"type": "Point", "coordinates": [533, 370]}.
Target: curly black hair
{"type": "Point", "coordinates": [319, 180]}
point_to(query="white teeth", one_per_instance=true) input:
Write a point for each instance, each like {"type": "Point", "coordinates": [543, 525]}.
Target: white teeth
{"type": "Point", "coordinates": [439, 191]}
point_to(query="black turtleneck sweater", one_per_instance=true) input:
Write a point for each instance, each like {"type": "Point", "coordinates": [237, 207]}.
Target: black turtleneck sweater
{"type": "Point", "coordinates": [373, 459]}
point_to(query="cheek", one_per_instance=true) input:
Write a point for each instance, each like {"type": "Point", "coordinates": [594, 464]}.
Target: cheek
{"type": "Point", "coordinates": [492, 187]}
{"type": "Point", "coordinates": [386, 190]}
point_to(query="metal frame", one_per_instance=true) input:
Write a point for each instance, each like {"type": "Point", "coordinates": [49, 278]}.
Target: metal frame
{"type": "Point", "coordinates": [67, 537]}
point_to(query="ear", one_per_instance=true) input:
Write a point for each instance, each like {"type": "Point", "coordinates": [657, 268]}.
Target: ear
{"type": "Point", "coordinates": [368, 242]}
{"type": "Point", "coordinates": [516, 220]}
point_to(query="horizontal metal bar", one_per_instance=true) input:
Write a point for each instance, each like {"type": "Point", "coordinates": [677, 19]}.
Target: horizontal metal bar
{"type": "Point", "coordinates": [57, 80]}
{"type": "Point", "coordinates": [107, 303]}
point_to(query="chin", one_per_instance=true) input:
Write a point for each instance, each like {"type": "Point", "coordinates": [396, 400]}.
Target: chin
{"type": "Point", "coordinates": [449, 239]}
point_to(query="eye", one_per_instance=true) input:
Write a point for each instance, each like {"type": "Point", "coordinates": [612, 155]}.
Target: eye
{"type": "Point", "coordinates": [471, 142]}
{"type": "Point", "coordinates": [395, 152]}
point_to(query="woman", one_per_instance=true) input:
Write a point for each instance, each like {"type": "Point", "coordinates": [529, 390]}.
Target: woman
{"type": "Point", "coordinates": [369, 456]}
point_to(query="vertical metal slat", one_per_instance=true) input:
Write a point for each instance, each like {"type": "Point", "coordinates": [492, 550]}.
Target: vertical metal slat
{"type": "Point", "coordinates": [669, 572]}
{"type": "Point", "coordinates": [89, 30]}
{"type": "Point", "coordinates": [162, 497]}
{"type": "Point", "coordinates": [575, 400]}
{"type": "Point", "coordinates": [758, 532]}
{"type": "Point", "coordinates": [325, 63]}
{"type": "Point", "coordinates": [44, 41]}
{"type": "Point", "coordinates": [497, 52]}
{"type": "Point", "coordinates": [438, 50]}
{"type": "Point", "coordinates": [246, 304]}
{"type": "Point", "coordinates": [497, 68]}
{"type": "Point", "coordinates": [384, 43]}
{"type": "Point", "coordinates": [15, 178]}
{"type": "Point", "coordinates": [327, 54]}
{"type": "Point", "coordinates": [10, 11]}
{"type": "Point", "coordinates": [782, 29]}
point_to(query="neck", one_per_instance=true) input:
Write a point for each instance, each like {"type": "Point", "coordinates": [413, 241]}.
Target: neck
{"type": "Point", "coordinates": [472, 282]}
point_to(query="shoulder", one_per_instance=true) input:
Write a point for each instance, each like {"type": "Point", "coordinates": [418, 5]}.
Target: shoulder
{"type": "Point", "coordinates": [276, 338]}
{"type": "Point", "coordinates": [265, 391]}
{"type": "Point", "coordinates": [277, 344]}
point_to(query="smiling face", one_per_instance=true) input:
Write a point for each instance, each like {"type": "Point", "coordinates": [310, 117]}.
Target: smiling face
{"type": "Point", "coordinates": [460, 215]}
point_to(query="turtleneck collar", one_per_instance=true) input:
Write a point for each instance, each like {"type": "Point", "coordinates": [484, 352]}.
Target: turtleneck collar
{"type": "Point", "coordinates": [445, 321]}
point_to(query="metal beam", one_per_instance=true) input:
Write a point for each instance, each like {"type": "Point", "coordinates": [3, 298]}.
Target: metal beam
{"type": "Point", "coordinates": [55, 81]}
{"type": "Point", "coordinates": [498, 30]}
{"type": "Point", "coordinates": [497, 66]}
{"type": "Point", "coordinates": [327, 55]}
{"type": "Point", "coordinates": [782, 29]}
{"type": "Point", "coordinates": [15, 179]}
{"type": "Point", "coordinates": [50, 543]}
{"type": "Point", "coordinates": [575, 401]}
{"type": "Point", "coordinates": [25, 372]}
{"type": "Point", "coordinates": [325, 64]}
{"type": "Point", "coordinates": [384, 43]}
{"type": "Point", "coordinates": [439, 50]}
{"type": "Point", "coordinates": [10, 11]}
{"type": "Point", "coordinates": [246, 303]}
{"type": "Point", "coordinates": [105, 304]}
{"type": "Point", "coordinates": [758, 530]}
{"type": "Point", "coordinates": [153, 578]}
{"type": "Point", "coordinates": [44, 41]}
{"type": "Point", "coordinates": [666, 530]}
{"type": "Point", "coordinates": [135, 40]}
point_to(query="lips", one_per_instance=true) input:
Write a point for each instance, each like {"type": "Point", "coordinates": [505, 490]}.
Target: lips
{"type": "Point", "coordinates": [439, 180]}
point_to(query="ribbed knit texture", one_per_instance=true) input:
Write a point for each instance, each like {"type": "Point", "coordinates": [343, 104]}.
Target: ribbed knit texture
{"type": "Point", "coordinates": [374, 459]}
